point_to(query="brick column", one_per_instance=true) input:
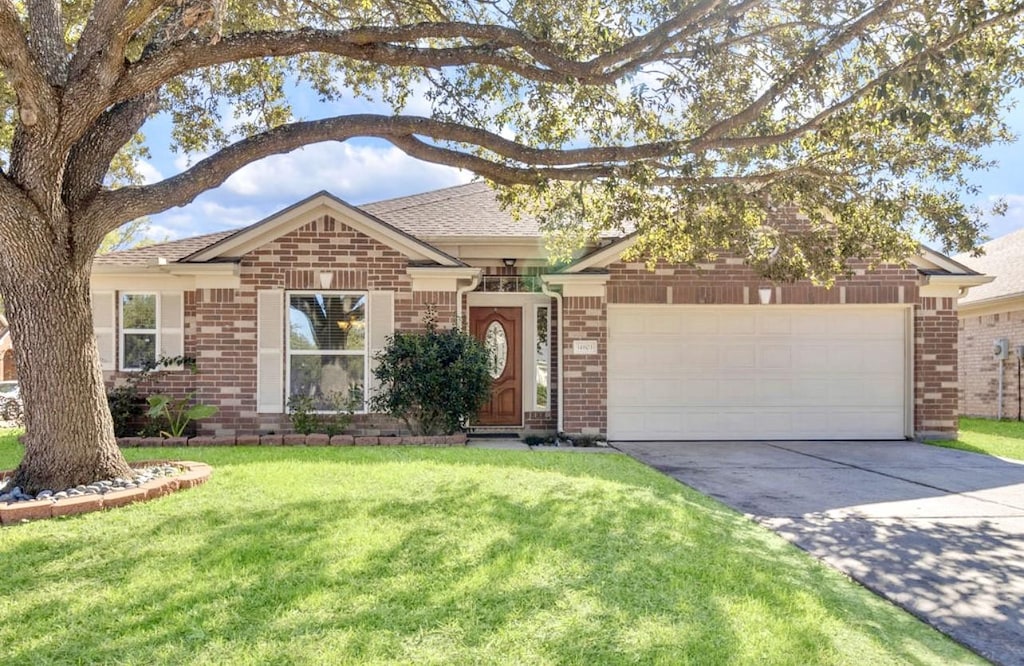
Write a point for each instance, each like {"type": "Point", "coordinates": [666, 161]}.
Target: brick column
{"type": "Point", "coordinates": [935, 368]}
{"type": "Point", "coordinates": [585, 375]}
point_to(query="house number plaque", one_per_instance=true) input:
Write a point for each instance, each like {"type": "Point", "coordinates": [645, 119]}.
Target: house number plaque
{"type": "Point", "coordinates": [584, 347]}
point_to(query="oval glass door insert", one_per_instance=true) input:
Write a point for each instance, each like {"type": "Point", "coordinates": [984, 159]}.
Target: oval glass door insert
{"type": "Point", "coordinates": [497, 347]}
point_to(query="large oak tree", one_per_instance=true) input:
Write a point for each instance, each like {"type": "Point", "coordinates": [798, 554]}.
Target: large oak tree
{"type": "Point", "coordinates": [686, 119]}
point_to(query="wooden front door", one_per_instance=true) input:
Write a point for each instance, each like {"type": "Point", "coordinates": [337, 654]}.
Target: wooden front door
{"type": "Point", "coordinates": [501, 331]}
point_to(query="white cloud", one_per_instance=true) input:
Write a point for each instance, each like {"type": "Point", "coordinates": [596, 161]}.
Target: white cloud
{"type": "Point", "coordinates": [351, 171]}
{"type": "Point", "coordinates": [358, 173]}
{"type": "Point", "coordinates": [150, 174]}
{"type": "Point", "coordinates": [1011, 221]}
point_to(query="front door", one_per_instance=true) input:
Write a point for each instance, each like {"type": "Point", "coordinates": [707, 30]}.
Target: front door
{"type": "Point", "coordinates": [501, 330]}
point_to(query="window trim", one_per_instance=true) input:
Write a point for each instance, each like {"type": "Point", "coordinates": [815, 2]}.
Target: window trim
{"type": "Point", "coordinates": [122, 331]}
{"type": "Point", "coordinates": [288, 351]}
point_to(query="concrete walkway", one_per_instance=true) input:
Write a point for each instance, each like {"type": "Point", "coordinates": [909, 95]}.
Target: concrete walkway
{"type": "Point", "coordinates": [937, 531]}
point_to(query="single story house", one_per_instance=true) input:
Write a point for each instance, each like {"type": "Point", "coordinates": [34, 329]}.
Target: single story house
{"type": "Point", "coordinates": [299, 302]}
{"type": "Point", "coordinates": [991, 316]}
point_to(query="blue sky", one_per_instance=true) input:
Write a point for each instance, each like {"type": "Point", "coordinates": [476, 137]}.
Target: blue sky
{"type": "Point", "coordinates": [362, 171]}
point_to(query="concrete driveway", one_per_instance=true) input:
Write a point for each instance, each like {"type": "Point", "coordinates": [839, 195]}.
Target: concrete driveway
{"type": "Point", "coordinates": [937, 531]}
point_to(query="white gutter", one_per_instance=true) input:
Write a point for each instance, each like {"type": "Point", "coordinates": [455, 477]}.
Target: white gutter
{"type": "Point", "coordinates": [561, 351]}
{"type": "Point", "coordinates": [459, 293]}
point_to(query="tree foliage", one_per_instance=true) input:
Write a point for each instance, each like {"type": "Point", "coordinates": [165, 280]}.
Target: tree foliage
{"type": "Point", "coordinates": [687, 121]}
{"type": "Point", "coordinates": [132, 234]}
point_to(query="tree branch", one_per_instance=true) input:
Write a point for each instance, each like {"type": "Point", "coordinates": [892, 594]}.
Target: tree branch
{"type": "Point", "coordinates": [837, 107]}
{"type": "Point", "coordinates": [25, 77]}
{"type": "Point", "coordinates": [46, 39]}
{"type": "Point", "coordinates": [492, 45]}
{"type": "Point", "coordinates": [214, 170]}
{"type": "Point", "coordinates": [799, 71]}
{"type": "Point", "coordinates": [98, 35]}
{"type": "Point", "coordinates": [90, 158]}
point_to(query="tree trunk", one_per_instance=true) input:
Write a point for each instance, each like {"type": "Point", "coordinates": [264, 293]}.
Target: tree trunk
{"type": "Point", "coordinates": [69, 434]}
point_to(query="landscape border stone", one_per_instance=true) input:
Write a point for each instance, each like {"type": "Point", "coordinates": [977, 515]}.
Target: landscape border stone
{"type": "Point", "coordinates": [193, 474]}
{"type": "Point", "coordinates": [296, 439]}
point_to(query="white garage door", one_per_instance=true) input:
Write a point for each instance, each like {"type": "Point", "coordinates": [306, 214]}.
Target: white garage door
{"type": "Point", "coordinates": [756, 372]}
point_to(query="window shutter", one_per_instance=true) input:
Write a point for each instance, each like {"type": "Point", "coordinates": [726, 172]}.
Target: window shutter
{"type": "Point", "coordinates": [104, 313]}
{"type": "Point", "coordinates": [172, 326]}
{"type": "Point", "coordinates": [270, 351]}
{"type": "Point", "coordinates": [382, 326]}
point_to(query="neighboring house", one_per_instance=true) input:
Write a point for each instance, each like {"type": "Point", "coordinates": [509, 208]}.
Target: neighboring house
{"type": "Point", "coordinates": [8, 371]}
{"type": "Point", "coordinates": [988, 314]}
{"type": "Point", "coordinates": [300, 302]}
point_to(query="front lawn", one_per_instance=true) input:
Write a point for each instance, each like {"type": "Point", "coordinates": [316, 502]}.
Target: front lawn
{"type": "Point", "coordinates": [996, 438]}
{"type": "Point", "coordinates": [432, 556]}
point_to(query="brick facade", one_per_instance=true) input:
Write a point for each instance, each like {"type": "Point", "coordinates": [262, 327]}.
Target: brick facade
{"type": "Point", "coordinates": [585, 376]}
{"type": "Point", "coordinates": [935, 368]}
{"type": "Point", "coordinates": [220, 325]}
{"type": "Point", "coordinates": [978, 379]}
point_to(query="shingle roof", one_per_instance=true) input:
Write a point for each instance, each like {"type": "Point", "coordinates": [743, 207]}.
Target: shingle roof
{"type": "Point", "coordinates": [171, 250]}
{"type": "Point", "coordinates": [1004, 259]}
{"type": "Point", "coordinates": [463, 210]}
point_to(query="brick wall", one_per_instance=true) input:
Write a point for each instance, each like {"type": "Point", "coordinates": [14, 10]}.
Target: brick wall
{"type": "Point", "coordinates": [729, 281]}
{"type": "Point", "coordinates": [935, 371]}
{"type": "Point", "coordinates": [220, 329]}
{"type": "Point", "coordinates": [585, 376]}
{"type": "Point", "coordinates": [979, 369]}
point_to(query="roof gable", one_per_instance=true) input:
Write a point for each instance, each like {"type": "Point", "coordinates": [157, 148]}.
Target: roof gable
{"type": "Point", "coordinates": [463, 211]}
{"type": "Point", "coordinates": [927, 260]}
{"type": "Point", "coordinates": [1003, 258]}
{"type": "Point", "coordinates": [299, 214]}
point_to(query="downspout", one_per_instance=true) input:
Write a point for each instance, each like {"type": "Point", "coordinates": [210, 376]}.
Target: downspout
{"type": "Point", "coordinates": [561, 361]}
{"type": "Point", "coordinates": [1002, 371]}
{"type": "Point", "coordinates": [459, 293]}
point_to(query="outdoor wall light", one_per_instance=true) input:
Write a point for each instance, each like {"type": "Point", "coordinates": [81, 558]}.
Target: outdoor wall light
{"type": "Point", "coordinates": [765, 294]}
{"type": "Point", "coordinates": [509, 262]}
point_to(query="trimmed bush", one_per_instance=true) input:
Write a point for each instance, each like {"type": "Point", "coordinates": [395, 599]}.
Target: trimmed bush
{"type": "Point", "coordinates": [433, 381]}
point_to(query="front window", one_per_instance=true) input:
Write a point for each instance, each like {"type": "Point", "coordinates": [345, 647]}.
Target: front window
{"type": "Point", "coordinates": [138, 331]}
{"type": "Point", "coordinates": [327, 348]}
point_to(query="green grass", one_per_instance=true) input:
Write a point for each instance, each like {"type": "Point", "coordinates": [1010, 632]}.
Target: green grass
{"type": "Point", "coordinates": [996, 438]}
{"type": "Point", "coordinates": [432, 556]}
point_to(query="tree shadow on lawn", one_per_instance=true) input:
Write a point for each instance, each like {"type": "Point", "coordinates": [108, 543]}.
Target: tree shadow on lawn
{"type": "Point", "coordinates": [966, 579]}
{"type": "Point", "coordinates": [458, 572]}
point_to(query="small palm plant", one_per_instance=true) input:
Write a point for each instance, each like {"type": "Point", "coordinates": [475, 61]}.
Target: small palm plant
{"type": "Point", "coordinates": [179, 413]}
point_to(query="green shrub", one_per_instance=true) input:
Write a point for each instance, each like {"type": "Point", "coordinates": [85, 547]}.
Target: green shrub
{"type": "Point", "coordinates": [129, 409]}
{"type": "Point", "coordinates": [434, 381]}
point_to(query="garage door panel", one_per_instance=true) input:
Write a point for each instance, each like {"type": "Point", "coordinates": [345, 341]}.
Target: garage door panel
{"type": "Point", "coordinates": [665, 323]}
{"type": "Point", "coordinates": [698, 325]}
{"type": "Point", "coordinates": [807, 324]}
{"type": "Point", "coordinates": [776, 324]}
{"type": "Point", "coordinates": [761, 373]}
{"type": "Point", "coordinates": [697, 356]}
{"type": "Point", "coordinates": [738, 356]}
{"type": "Point", "coordinates": [736, 323]}
{"type": "Point", "coordinates": [773, 357]}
